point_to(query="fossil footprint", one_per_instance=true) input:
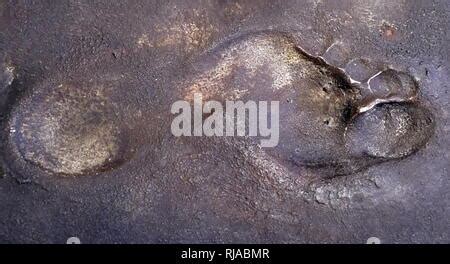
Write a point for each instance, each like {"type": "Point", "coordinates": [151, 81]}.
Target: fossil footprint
{"type": "Point", "coordinates": [327, 120]}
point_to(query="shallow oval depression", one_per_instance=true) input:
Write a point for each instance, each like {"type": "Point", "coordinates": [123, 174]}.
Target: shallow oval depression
{"type": "Point", "coordinates": [69, 129]}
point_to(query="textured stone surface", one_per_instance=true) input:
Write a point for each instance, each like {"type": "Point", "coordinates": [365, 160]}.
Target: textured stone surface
{"type": "Point", "coordinates": [148, 54]}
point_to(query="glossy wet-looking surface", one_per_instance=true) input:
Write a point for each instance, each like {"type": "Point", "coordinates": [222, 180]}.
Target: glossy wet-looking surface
{"type": "Point", "coordinates": [86, 142]}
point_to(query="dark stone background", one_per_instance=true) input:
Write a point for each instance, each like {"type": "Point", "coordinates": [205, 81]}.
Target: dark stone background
{"type": "Point", "coordinates": [182, 191]}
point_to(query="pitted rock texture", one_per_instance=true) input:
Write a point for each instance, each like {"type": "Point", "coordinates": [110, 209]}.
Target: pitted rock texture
{"type": "Point", "coordinates": [69, 129]}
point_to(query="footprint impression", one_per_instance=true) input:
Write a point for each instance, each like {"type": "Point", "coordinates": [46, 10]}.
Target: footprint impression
{"type": "Point", "coordinates": [328, 120]}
